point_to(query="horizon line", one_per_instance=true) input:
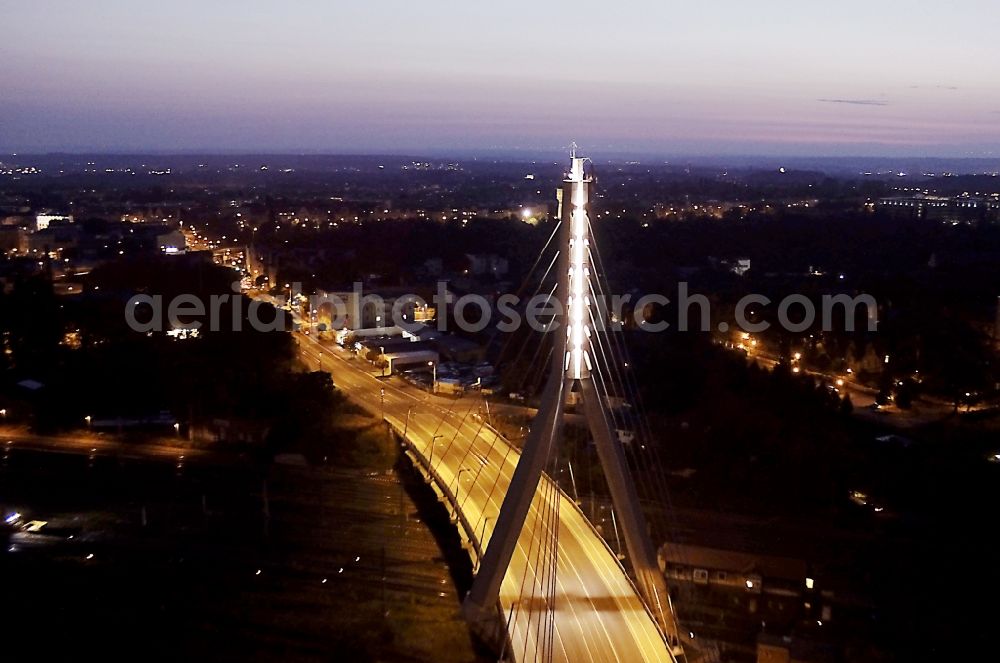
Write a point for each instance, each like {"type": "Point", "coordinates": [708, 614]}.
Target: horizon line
{"type": "Point", "coordinates": [522, 153]}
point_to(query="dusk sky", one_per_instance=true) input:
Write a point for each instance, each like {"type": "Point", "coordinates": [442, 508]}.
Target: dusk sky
{"type": "Point", "coordinates": [852, 77]}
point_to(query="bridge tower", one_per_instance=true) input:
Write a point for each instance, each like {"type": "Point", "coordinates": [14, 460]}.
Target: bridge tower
{"type": "Point", "coordinates": [573, 361]}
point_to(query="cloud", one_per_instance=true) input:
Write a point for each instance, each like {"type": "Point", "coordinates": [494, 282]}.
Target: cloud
{"type": "Point", "coordinates": [855, 102]}
{"type": "Point", "coordinates": [933, 87]}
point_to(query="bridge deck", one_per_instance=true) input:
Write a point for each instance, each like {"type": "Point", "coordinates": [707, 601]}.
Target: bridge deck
{"type": "Point", "coordinates": [598, 616]}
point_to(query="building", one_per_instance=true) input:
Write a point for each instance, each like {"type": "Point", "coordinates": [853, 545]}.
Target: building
{"type": "Point", "coordinates": [346, 336]}
{"type": "Point", "coordinates": [403, 357]}
{"type": "Point", "coordinates": [45, 219]}
{"type": "Point", "coordinates": [357, 309]}
{"type": "Point", "coordinates": [789, 649]}
{"type": "Point", "coordinates": [725, 596]}
{"type": "Point", "coordinates": [53, 240]}
{"type": "Point", "coordinates": [458, 349]}
{"type": "Point", "coordinates": [172, 241]}
{"type": "Point", "coordinates": [738, 266]}
{"type": "Point", "coordinates": [19, 220]}
{"type": "Point", "coordinates": [13, 239]}
{"type": "Point", "coordinates": [753, 576]}
{"type": "Point", "coordinates": [955, 210]}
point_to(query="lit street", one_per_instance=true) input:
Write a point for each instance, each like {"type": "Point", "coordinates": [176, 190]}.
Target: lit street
{"type": "Point", "coordinates": [598, 615]}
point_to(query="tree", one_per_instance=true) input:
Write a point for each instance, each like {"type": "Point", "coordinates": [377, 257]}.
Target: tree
{"type": "Point", "coordinates": [905, 392]}
{"type": "Point", "coordinates": [846, 406]}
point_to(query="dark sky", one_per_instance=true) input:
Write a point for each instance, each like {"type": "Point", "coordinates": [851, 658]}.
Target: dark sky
{"type": "Point", "coordinates": [718, 76]}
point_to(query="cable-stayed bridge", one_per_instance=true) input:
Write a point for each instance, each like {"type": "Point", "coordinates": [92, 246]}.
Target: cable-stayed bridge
{"type": "Point", "coordinates": [547, 586]}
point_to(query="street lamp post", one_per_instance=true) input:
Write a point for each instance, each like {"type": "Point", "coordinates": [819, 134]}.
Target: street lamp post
{"type": "Point", "coordinates": [458, 489]}
{"type": "Point", "coordinates": [458, 483]}
{"type": "Point", "coordinates": [430, 460]}
{"type": "Point", "coordinates": [406, 424]}
{"type": "Point", "coordinates": [382, 358]}
{"type": "Point", "coordinates": [434, 382]}
{"type": "Point", "coordinates": [381, 394]}
{"type": "Point", "coordinates": [88, 420]}
{"type": "Point", "coordinates": [482, 532]}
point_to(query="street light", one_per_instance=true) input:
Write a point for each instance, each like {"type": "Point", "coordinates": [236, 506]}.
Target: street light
{"type": "Point", "coordinates": [382, 358]}
{"type": "Point", "coordinates": [458, 482]}
{"type": "Point", "coordinates": [430, 461]}
{"type": "Point", "coordinates": [434, 382]}
{"type": "Point", "coordinates": [406, 425]}
{"type": "Point", "coordinates": [482, 533]}
{"type": "Point", "coordinates": [177, 429]}
{"type": "Point", "coordinates": [88, 420]}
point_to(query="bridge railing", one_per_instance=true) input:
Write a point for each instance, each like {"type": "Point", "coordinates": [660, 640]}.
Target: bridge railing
{"type": "Point", "coordinates": [475, 545]}
{"type": "Point", "coordinates": [446, 491]}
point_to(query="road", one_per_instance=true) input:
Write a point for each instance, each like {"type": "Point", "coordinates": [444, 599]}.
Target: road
{"type": "Point", "coordinates": [598, 616]}
{"type": "Point", "coordinates": [923, 411]}
{"type": "Point", "coordinates": [21, 437]}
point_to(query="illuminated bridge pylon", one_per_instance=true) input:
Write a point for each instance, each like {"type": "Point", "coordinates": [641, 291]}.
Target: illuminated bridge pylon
{"type": "Point", "coordinates": [572, 367]}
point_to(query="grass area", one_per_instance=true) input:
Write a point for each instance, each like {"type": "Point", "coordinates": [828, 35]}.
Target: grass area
{"type": "Point", "coordinates": [350, 439]}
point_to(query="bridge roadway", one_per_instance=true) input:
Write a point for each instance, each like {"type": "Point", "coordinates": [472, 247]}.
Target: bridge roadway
{"type": "Point", "coordinates": [598, 614]}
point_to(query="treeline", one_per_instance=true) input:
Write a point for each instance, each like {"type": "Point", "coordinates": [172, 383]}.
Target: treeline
{"type": "Point", "coordinates": [68, 358]}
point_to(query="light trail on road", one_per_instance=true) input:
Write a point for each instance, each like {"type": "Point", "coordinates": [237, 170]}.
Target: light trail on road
{"type": "Point", "coordinates": [598, 615]}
